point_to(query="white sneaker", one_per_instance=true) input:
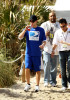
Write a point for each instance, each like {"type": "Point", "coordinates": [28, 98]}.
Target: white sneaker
{"type": "Point", "coordinates": [27, 87]}
{"type": "Point", "coordinates": [36, 88]}
{"type": "Point", "coordinates": [68, 85]}
{"type": "Point", "coordinates": [63, 88]}
{"type": "Point", "coordinates": [45, 84]}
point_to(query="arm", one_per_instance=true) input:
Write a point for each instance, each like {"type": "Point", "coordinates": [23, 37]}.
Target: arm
{"type": "Point", "coordinates": [64, 43]}
{"type": "Point", "coordinates": [21, 35]}
{"type": "Point", "coordinates": [46, 29]}
{"type": "Point", "coordinates": [55, 43]}
{"type": "Point", "coordinates": [47, 33]}
{"type": "Point", "coordinates": [53, 49]}
{"type": "Point", "coordinates": [42, 45]}
{"type": "Point", "coordinates": [43, 39]}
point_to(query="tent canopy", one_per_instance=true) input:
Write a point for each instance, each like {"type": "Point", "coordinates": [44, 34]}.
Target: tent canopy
{"type": "Point", "coordinates": [62, 5]}
{"type": "Point", "coordinates": [62, 9]}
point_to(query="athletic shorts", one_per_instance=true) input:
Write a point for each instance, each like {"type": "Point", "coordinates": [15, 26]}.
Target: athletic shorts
{"type": "Point", "coordinates": [33, 62]}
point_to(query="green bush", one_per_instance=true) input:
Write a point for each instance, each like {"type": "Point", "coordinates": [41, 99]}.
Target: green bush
{"type": "Point", "coordinates": [7, 77]}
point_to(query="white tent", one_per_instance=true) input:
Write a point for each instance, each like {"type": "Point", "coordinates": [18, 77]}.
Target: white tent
{"type": "Point", "coordinates": [62, 5]}
{"type": "Point", "coordinates": [62, 8]}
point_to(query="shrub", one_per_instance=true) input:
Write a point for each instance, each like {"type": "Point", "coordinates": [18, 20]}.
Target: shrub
{"type": "Point", "coordinates": [7, 77]}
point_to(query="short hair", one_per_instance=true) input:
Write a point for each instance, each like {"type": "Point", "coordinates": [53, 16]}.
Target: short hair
{"type": "Point", "coordinates": [52, 11]}
{"type": "Point", "coordinates": [33, 18]}
{"type": "Point", "coordinates": [62, 20]}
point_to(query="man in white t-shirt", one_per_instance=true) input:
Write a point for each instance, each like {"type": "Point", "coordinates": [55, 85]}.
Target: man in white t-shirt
{"type": "Point", "coordinates": [50, 63]}
{"type": "Point", "coordinates": [62, 40]}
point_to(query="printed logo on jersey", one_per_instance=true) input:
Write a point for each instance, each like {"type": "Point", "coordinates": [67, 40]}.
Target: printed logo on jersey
{"type": "Point", "coordinates": [34, 35]}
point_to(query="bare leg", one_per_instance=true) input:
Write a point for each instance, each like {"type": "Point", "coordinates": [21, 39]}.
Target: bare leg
{"type": "Point", "coordinates": [27, 72]}
{"type": "Point", "coordinates": [37, 77]}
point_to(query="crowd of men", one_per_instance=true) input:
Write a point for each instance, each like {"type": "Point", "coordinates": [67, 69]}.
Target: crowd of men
{"type": "Point", "coordinates": [54, 39]}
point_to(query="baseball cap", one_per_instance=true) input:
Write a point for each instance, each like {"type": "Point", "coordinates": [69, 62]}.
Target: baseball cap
{"type": "Point", "coordinates": [33, 18]}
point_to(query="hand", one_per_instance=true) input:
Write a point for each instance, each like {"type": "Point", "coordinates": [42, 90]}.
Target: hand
{"type": "Point", "coordinates": [62, 42]}
{"type": "Point", "coordinates": [52, 54]}
{"type": "Point", "coordinates": [47, 33]}
{"type": "Point", "coordinates": [27, 27]}
{"type": "Point", "coordinates": [41, 46]}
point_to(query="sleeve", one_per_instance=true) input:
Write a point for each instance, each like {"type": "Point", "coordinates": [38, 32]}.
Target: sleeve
{"type": "Point", "coordinates": [55, 39]}
{"type": "Point", "coordinates": [44, 37]}
{"type": "Point", "coordinates": [45, 27]}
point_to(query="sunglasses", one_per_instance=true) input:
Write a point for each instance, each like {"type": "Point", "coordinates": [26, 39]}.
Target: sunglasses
{"type": "Point", "coordinates": [63, 26]}
{"type": "Point", "coordinates": [32, 21]}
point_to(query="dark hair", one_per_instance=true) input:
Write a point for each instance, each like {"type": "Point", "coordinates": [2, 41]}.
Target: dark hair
{"type": "Point", "coordinates": [62, 20]}
{"type": "Point", "coordinates": [33, 18]}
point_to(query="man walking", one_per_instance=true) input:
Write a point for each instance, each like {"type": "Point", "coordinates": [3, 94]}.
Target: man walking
{"type": "Point", "coordinates": [35, 41]}
{"type": "Point", "coordinates": [62, 40]}
{"type": "Point", "coordinates": [50, 63]}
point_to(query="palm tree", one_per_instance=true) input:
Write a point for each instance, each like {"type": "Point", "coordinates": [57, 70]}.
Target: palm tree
{"type": "Point", "coordinates": [11, 23]}
{"type": "Point", "coordinates": [13, 19]}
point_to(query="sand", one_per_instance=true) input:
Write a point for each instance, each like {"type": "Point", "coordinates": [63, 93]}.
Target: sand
{"type": "Point", "coordinates": [16, 91]}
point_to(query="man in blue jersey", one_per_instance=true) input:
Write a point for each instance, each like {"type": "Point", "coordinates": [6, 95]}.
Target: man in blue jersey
{"type": "Point", "coordinates": [35, 41]}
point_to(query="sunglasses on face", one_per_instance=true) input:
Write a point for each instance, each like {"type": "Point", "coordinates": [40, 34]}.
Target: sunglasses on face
{"type": "Point", "coordinates": [32, 21]}
{"type": "Point", "coordinates": [63, 26]}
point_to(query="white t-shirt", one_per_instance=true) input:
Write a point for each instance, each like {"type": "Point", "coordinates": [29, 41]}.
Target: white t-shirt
{"type": "Point", "coordinates": [47, 26]}
{"type": "Point", "coordinates": [62, 36]}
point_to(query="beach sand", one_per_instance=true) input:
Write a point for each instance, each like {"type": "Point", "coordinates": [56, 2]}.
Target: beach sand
{"type": "Point", "coordinates": [16, 92]}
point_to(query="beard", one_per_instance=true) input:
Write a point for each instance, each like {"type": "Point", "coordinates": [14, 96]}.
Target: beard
{"type": "Point", "coordinates": [53, 20]}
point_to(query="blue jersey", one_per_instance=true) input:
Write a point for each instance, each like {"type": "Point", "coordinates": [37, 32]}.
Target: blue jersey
{"type": "Point", "coordinates": [34, 39]}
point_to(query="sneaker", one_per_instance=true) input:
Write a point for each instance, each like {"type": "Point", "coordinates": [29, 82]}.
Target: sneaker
{"type": "Point", "coordinates": [27, 87]}
{"type": "Point", "coordinates": [53, 84]}
{"type": "Point", "coordinates": [36, 88]}
{"type": "Point", "coordinates": [45, 84]}
{"type": "Point", "coordinates": [68, 85]}
{"type": "Point", "coordinates": [63, 88]}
